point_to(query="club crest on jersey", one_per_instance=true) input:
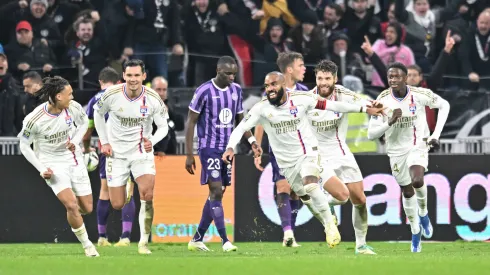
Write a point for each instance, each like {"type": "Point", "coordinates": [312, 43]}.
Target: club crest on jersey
{"type": "Point", "coordinates": [293, 110]}
{"type": "Point", "coordinates": [412, 108]}
{"type": "Point", "coordinates": [143, 110]}
{"type": "Point", "coordinates": [68, 120]}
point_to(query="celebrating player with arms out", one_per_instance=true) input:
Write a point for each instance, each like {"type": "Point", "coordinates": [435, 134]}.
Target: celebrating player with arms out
{"type": "Point", "coordinates": [57, 154]}
{"type": "Point", "coordinates": [330, 128]}
{"type": "Point", "coordinates": [108, 77]}
{"type": "Point", "coordinates": [284, 117]}
{"type": "Point", "coordinates": [408, 142]}
{"type": "Point", "coordinates": [292, 65]}
{"type": "Point", "coordinates": [127, 142]}
{"type": "Point", "coordinates": [215, 105]}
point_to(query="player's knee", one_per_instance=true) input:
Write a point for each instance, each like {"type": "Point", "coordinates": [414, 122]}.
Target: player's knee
{"type": "Point", "coordinates": [282, 186]}
{"type": "Point", "coordinates": [72, 207]}
{"type": "Point", "coordinates": [359, 200]}
{"type": "Point", "coordinates": [343, 195]}
{"type": "Point", "coordinates": [147, 196]}
{"type": "Point", "coordinates": [86, 209]}
{"type": "Point", "coordinates": [215, 191]}
{"type": "Point", "coordinates": [117, 205]}
{"type": "Point", "coordinates": [408, 191]}
{"type": "Point", "coordinates": [418, 182]}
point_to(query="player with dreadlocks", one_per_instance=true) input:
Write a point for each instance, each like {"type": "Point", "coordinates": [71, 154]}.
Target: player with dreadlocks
{"type": "Point", "coordinates": [56, 128]}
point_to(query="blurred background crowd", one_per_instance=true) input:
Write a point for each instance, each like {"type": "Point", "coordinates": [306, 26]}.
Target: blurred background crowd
{"type": "Point", "coordinates": [445, 44]}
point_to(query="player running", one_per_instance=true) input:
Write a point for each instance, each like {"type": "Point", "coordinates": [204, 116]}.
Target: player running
{"type": "Point", "coordinates": [127, 142]}
{"type": "Point", "coordinates": [214, 107]}
{"type": "Point", "coordinates": [292, 65]}
{"type": "Point", "coordinates": [330, 128]}
{"type": "Point", "coordinates": [108, 77]}
{"type": "Point", "coordinates": [408, 143]}
{"type": "Point", "coordinates": [57, 154]}
{"type": "Point", "coordinates": [284, 117]}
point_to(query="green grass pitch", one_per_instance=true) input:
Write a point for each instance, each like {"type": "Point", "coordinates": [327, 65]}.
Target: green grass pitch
{"type": "Point", "coordinates": [251, 258]}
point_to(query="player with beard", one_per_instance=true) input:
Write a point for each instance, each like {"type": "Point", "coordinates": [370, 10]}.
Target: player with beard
{"type": "Point", "coordinates": [284, 117]}
{"type": "Point", "coordinates": [330, 128]}
{"type": "Point", "coordinates": [292, 65]}
{"type": "Point", "coordinates": [408, 143]}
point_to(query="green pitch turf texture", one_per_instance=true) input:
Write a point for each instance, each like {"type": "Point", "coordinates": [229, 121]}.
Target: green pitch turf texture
{"type": "Point", "coordinates": [251, 258]}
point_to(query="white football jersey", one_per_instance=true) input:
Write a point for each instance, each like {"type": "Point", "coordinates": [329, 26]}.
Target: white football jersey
{"type": "Point", "coordinates": [329, 127]}
{"type": "Point", "coordinates": [411, 129]}
{"type": "Point", "coordinates": [50, 133]}
{"type": "Point", "coordinates": [287, 127]}
{"type": "Point", "coordinates": [130, 120]}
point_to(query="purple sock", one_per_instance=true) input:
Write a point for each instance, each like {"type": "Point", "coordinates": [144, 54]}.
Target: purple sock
{"type": "Point", "coordinates": [295, 204]}
{"type": "Point", "coordinates": [206, 220]}
{"type": "Point", "coordinates": [102, 215]}
{"type": "Point", "coordinates": [284, 209]}
{"type": "Point", "coordinates": [219, 219]}
{"type": "Point", "coordinates": [127, 215]}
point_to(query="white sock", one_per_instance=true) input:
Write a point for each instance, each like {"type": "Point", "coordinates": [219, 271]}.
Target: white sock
{"type": "Point", "coordinates": [320, 201]}
{"type": "Point", "coordinates": [82, 236]}
{"type": "Point", "coordinates": [360, 223]}
{"type": "Point", "coordinates": [422, 200]}
{"type": "Point", "coordinates": [333, 201]}
{"type": "Point", "coordinates": [145, 219]}
{"type": "Point", "coordinates": [313, 210]}
{"type": "Point", "coordinates": [410, 206]}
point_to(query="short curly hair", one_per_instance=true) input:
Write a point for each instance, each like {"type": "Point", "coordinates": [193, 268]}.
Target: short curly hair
{"type": "Point", "coordinates": [326, 66]}
{"type": "Point", "coordinates": [398, 65]}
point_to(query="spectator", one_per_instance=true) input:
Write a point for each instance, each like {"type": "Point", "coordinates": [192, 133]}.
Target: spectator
{"type": "Point", "coordinates": [10, 103]}
{"type": "Point", "coordinates": [90, 49]}
{"type": "Point", "coordinates": [341, 47]}
{"type": "Point", "coordinates": [391, 19]}
{"type": "Point", "coordinates": [63, 14]}
{"type": "Point", "coordinates": [29, 53]}
{"type": "Point", "coordinates": [44, 29]}
{"type": "Point", "coordinates": [298, 7]}
{"type": "Point", "coordinates": [152, 30]}
{"type": "Point", "coordinates": [168, 145]}
{"type": "Point", "coordinates": [392, 50]}
{"type": "Point", "coordinates": [265, 9]}
{"type": "Point", "coordinates": [268, 48]}
{"type": "Point", "coordinates": [32, 82]}
{"type": "Point", "coordinates": [205, 38]}
{"type": "Point", "coordinates": [308, 40]}
{"type": "Point", "coordinates": [332, 18]}
{"type": "Point", "coordinates": [475, 51]}
{"type": "Point", "coordinates": [360, 21]}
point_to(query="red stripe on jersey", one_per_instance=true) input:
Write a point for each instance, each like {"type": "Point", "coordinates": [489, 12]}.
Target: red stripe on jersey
{"type": "Point", "coordinates": [299, 133]}
{"type": "Point", "coordinates": [321, 104]}
{"type": "Point", "coordinates": [141, 139]}
{"type": "Point", "coordinates": [338, 139]}
{"type": "Point", "coordinates": [414, 135]}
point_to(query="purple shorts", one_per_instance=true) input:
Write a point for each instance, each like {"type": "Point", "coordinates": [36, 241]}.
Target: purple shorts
{"type": "Point", "coordinates": [102, 166]}
{"type": "Point", "coordinates": [276, 176]}
{"type": "Point", "coordinates": [213, 167]}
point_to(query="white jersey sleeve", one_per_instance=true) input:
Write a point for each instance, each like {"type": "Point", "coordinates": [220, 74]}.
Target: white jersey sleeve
{"type": "Point", "coordinates": [434, 101]}
{"type": "Point", "coordinates": [81, 121]}
{"type": "Point", "coordinates": [250, 120]}
{"type": "Point", "coordinates": [160, 117]}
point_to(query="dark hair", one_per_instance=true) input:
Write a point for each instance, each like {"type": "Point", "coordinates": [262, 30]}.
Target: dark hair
{"type": "Point", "coordinates": [51, 87]}
{"type": "Point", "coordinates": [134, 63]}
{"type": "Point", "coordinates": [415, 67]}
{"type": "Point", "coordinates": [32, 75]}
{"type": "Point", "coordinates": [398, 65]}
{"type": "Point", "coordinates": [286, 59]}
{"type": "Point", "coordinates": [109, 75]}
{"type": "Point", "coordinates": [226, 60]}
{"type": "Point", "coordinates": [80, 21]}
{"type": "Point", "coordinates": [326, 66]}
{"type": "Point", "coordinates": [338, 9]}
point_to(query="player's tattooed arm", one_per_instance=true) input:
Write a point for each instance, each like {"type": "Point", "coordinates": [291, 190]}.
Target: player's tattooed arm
{"type": "Point", "coordinates": [190, 163]}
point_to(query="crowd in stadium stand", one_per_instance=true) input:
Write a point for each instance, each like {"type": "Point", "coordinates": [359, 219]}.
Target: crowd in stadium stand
{"type": "Point", "coordinates": [181, 40]}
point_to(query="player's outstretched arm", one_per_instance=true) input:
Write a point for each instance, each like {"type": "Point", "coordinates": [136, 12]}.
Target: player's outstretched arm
{"type": "Point", "coordinates": [250, 121]}
{"type": "Point", "coordinates": [442, 115]}
{"type": "Point", "coordinates": [160, 120]}
{"type": "Point", "coordinates": [25, 149]}
{"type": "Point", "coordinates": [377, 127]}
{"type": "Point", "coordinates": [250, 137]}
{"type": "Point", "coordinates": [345, 107]}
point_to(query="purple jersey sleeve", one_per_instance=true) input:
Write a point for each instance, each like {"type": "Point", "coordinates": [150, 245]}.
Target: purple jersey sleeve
{"type": "Point", "coordinates": [239, 107]}
{"type": "Point", "coordinates": [91, 104]}
{"type": "Point", "coordinates": [301, 87]}
{"type": "Point", "coordinates": [200, 97]}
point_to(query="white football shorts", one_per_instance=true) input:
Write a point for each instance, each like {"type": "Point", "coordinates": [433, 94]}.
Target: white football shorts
{"type": "Point", "coordinates": [74, 176]}
{"type": "Point", "coordinates": [305, 166]}
{"type": "Point", "coordinates": [345, 168]}
{"type": "Point", "coordinates": [118, 169]}
{"type": "Point", "coordinates": [400, 165]}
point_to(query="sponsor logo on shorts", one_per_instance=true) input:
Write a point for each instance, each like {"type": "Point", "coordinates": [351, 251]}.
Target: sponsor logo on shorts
{"type": "Point", "coordinates": [215, 174]}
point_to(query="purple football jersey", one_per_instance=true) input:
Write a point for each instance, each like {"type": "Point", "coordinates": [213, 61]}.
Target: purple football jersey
{"type": "Point", "coordinates": [217, 109]}
{"type": "Point", "coordinates": [91, 103]}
